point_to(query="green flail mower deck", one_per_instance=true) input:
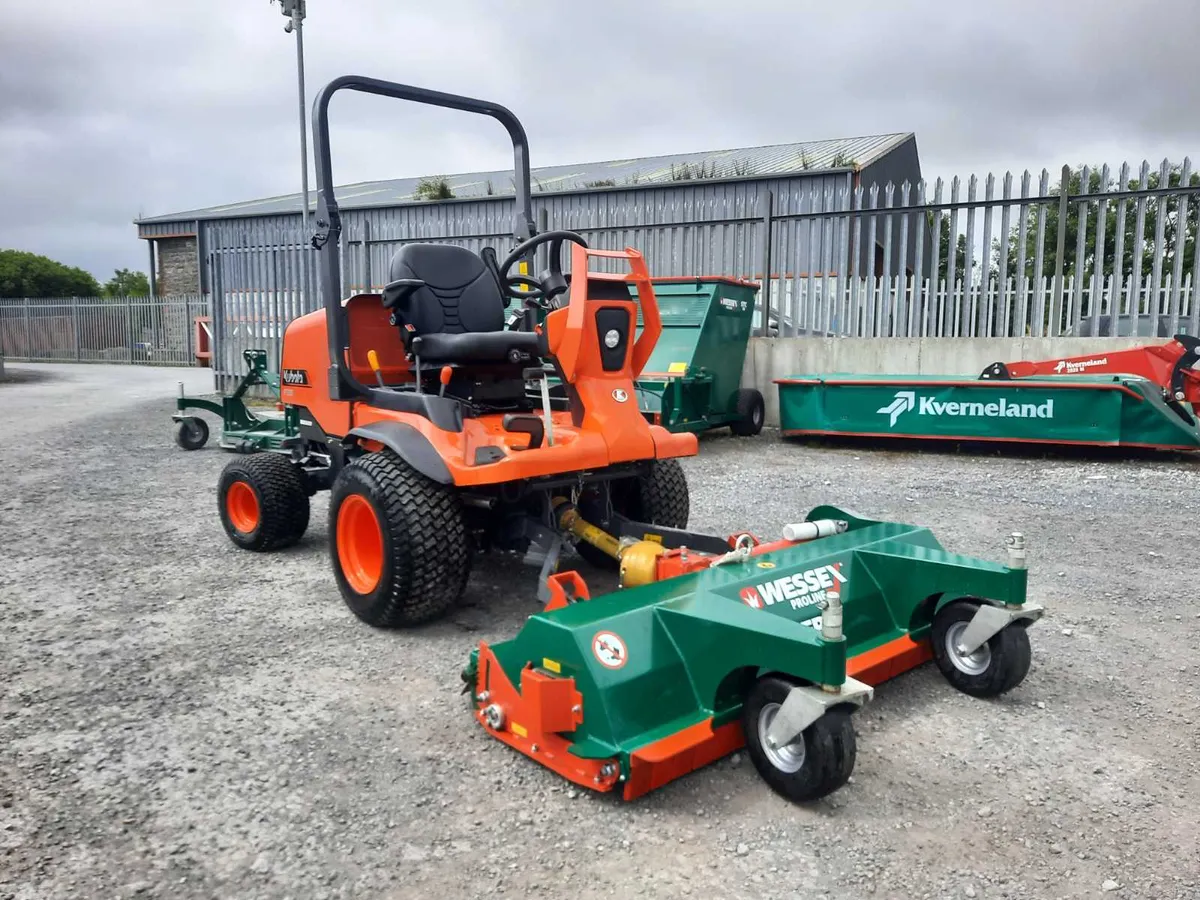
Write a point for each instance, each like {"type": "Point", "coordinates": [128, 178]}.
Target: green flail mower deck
{"type": "Point", "coordinates": [244, 429]}
{"type": "Point", "coordinates": [771, 648]}
{"type": "Point", "coordinates": [1073, 410]}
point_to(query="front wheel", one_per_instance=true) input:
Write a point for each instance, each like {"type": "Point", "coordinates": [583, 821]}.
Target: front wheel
{"type": "Point", "coordinates": [263, 500]}
{"type": "Point", "coordinates": [398, 542]}
{"type": "Point", "coordinates": [191, 432]}
{"type": "Point", "coordinates": [815, 764]}
{"type": "Point", "coordinates": [989, 670]}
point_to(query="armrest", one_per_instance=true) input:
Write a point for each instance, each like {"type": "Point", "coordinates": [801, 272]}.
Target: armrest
{"type": "Point", "coordinates": [396, 292]}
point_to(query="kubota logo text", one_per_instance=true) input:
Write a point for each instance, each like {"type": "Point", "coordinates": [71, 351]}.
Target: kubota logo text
{"type": "Point", "coordinates": [800, 590]}
{"type": "Point", "coordinates": [1000, 409]}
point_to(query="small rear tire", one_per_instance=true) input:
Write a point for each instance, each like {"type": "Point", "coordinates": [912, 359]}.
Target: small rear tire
{"type": "Point", "coordinates": [398, 542]}
{"type": "Point", "coordinates": [995, 668]}
{"type": "Point", "coordinates": [263, 501]}
{"type": "Point", "coordinates": [659, 498]}
{"type": "Point", "coordinates": [814, 765]}
{"type": "Point", "coordinates": [751, 410]}
{"type": "Point", "coordinates": [191, 432]}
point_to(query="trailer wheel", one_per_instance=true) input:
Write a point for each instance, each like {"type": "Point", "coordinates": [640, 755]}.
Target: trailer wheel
{"type": "Point", "coordinates": [816, 764]}
{"type": "Point", "coordinates": [751, 411]}
{"type": "Point", "coordinates": [191, 433]}
{"type": "Point", "coordinates": [398, 542]}
{"type": "Point", "coordinates": [660, 498]}
{"type": "Point", "coordinates": [992, 669]}
{"type": "Point", "coordinates": [263, 502]}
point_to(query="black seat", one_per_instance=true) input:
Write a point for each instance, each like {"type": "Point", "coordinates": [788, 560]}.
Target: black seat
{"type": "Point", "coordinates": [454, 306]}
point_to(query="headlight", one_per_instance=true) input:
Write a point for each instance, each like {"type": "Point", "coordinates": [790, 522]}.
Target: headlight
{"type": "Point", "coordinates": [612, 337]}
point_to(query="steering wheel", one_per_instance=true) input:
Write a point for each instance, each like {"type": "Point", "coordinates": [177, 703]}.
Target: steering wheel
{"type": "Point", "coordinates": [543, 290]}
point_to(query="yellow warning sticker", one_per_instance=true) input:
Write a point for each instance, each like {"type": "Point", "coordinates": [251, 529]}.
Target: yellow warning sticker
{"type": "Point", "coordinates": [656, 538]}
{"type": "Point", "coordinates": [519, 730]}
{"type": "Point", "coordinates": [766, 565]}
{"type": "Point", "coordinates": [679, 367]}
{"type": "Point", "coordinates": [551, 666]}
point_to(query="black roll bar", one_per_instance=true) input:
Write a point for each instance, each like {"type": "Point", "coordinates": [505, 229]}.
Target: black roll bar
{"type": "Point", "coordinates": [342, 384]}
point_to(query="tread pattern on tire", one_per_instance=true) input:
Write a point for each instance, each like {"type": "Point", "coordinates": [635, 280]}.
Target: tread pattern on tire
{"type": "Point", "coordinates": [282, 501]}
{"type": "Point", "coordinates": [746, 402]}
{"type": "Point", "coordinates": [664, 495]}
{"type": "Point", "coordinates": [428, 556]}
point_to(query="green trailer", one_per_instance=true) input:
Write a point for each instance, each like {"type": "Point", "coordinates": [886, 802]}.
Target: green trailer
{"type": "Point", "coordinates": [243, 429]}
{"type": "Point", "coordinates": [715, 643]}
{"type": "Point", "coordinates": [692, 381]}
{"type": "Point", "coordinates": [1073, 410]}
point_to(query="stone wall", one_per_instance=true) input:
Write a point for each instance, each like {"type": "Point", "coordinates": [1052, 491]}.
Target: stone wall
{"type": "Point", "coordinates": [178, 269]}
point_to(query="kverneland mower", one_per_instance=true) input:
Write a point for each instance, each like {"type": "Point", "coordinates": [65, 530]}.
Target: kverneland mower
{"type": "Point", "coordinates": [715, 643]}
{"type": "Point", "coordinates": [428, 417]}
{"type": "Point", "coordinates": [1141, 398]}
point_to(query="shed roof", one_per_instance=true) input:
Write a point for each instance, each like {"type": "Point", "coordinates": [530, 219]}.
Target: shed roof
{"type": "Point", "coordinates": [776, 159]}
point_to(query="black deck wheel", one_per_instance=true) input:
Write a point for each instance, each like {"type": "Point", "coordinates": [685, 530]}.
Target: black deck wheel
{"type": "Point", "coordinates": [814, 765]}
{"type": "Point", "coordinates": [263, 501]}
{"type": "Point", "coordinates": [191, 432]}
{"type": "Point", "coordinates": [398, 542]}
{"type": "Point", "coordinates": [751, 410]}
{"type": "Point", "coordinates": [992, 669]}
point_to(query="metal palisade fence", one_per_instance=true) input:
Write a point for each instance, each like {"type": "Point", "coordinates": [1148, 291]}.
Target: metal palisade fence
{"type": "Point", "coordinates": [151, 331]}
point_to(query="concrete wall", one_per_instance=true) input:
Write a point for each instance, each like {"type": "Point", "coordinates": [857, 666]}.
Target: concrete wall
{"type": "Point", "coordinates": [178, 266]}
{"type": "Point", "coordinates": [771, 358]}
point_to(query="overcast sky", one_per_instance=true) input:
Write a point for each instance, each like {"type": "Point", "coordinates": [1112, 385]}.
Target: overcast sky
{"type": "Point", "coordinates": [113, 109]}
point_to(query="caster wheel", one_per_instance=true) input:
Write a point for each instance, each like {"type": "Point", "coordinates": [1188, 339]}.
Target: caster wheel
{"type": "Point", "coordinates": [191, 433]}
{"type": "Point", "coordinates": [992, 668]}
{"type": "Point", "coordinates": [814, 765]}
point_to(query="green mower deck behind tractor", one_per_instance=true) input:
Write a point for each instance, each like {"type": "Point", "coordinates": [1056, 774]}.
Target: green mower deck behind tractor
{"type": "Point", "coordinates": [243, 429]}
{"type": "Point", "coordinates": [719, 642]}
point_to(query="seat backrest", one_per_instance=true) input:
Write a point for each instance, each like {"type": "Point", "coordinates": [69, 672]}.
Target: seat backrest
{"type": "Point", "coordinates": [460, 294]}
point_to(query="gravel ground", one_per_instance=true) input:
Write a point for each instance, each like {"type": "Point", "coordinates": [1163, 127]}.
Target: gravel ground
{"type": "Point", "coordinates": [181, 719]}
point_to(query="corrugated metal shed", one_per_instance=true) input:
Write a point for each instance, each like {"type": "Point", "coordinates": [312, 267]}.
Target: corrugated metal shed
{"type": "Point", "coordinates": [805, 157]}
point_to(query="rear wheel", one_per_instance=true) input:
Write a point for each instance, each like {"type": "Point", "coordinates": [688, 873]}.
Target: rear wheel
{"type": "Point", "coordinates": [989, 670]}
{"type": "Point", "coordinates": [815, 764]}
{"type": "Point", "coordinates": [263, 502]}
{"type": "Point", "coordinates": [659, 498]}
{"type": "Point", "coordinates": [398, 542]}
{"type": "Point", "coordinates": [191, 433]}
{"type": "Point", "coordinates": [751, 410]}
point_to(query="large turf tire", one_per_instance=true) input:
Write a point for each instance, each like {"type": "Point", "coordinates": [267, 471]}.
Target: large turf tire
{"type": "Point", "coordinates": [191, 432]}
{"type": "Point", "coordinates": [659, 498]}
{"type": "Point", "coordinates": [995, 668]}
{"type": "Point", "coordinates": [411, 565]}
{"type": "Point", "coordinates": [263, 501]}
{"type": "Point", "coordinates": [816, 764]}
{"type": "Point", "coordinates": [751, 411]}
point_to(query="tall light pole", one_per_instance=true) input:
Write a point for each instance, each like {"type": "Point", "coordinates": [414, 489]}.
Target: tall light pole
{"type": "Point", "coordinates": [294, 10]}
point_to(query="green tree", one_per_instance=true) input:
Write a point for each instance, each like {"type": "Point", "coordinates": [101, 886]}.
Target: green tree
{"type": "Point", "coordinates": [1131, 254]}
{"type": "Point", "coordinates": [25, 274]}
{"type": "Point", "coordinates": [125, 283]}
{"type": "Point", "coordinates": [960, 252]}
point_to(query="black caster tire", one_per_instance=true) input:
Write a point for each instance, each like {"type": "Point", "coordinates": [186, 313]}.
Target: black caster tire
{"type": "Point", "coordinates": [994, 668]}
{"type": "Point", "coordinates": [813, 766]}
{"type": "Point", "coordinates": [263, 501]}
{"type": "Point", "coordinates": [191, 433]}
{"type": "Point", "coordinates": [751, 411]}
{"type": "Point", "coordinates": [398, 542]}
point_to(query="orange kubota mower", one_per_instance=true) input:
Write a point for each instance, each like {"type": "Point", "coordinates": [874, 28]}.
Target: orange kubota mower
{"type": "Point", "coordinates": [426, 409]}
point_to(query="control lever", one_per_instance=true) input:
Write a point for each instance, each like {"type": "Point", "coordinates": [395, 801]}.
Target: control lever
{"type": "Point", "coordinates": [542, 374]}
{"type": "Point", "coordinates": [373, 362]}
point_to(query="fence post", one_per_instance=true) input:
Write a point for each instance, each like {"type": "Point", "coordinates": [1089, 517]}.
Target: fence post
{"type": "Point", "coordinates": [764, 298]}
{"type": "Point", "coordinates": [28, 333]}
{"type": "Point", "coordinates": [75, 325]}
{"type": "Point", "coordinates": [188, 327]}
{"type": "Point", "coordinates": [1061, 248]}
{"type": "Point", "coordinates": [129, 327]}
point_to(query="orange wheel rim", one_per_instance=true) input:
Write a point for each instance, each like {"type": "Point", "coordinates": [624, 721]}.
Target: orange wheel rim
{"type": "Point", "coordinates": [242, 505]}
{"type": "Point", "coordinates": [359, 544]}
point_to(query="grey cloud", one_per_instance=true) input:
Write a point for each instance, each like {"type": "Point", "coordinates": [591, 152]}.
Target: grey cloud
{"type": "Point", "coordinates": [135, 106]}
